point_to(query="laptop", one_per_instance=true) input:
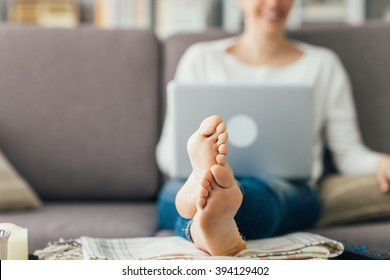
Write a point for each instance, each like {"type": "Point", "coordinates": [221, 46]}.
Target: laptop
{"type": "Point", "coordinates": [270, 126]}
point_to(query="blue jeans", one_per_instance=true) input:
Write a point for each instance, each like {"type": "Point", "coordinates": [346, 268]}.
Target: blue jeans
{"type": "Point", "coordinates": [270, 207]}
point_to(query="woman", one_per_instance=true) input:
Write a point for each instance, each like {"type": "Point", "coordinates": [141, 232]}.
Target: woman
{"type": "Point", "coordinates": [217, 211]}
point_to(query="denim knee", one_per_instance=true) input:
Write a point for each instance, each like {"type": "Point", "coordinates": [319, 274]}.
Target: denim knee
{"type": "Point", "coordinates": [302, 210]}
{"type": "Point", "coordinates": [260, 212]}
{"type": "Point", "coordinates": [166, 208]}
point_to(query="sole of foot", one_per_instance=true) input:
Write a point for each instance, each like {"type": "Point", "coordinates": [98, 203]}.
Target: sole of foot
{"type": "Point", "coordinates": [213, 228]}
{"type": "Point", "coordinates": [206, 147]}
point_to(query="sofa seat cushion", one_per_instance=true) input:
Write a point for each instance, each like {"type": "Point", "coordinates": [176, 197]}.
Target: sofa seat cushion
{"type": "Point", "coordinates": [66, 220]}
{"type": "Point", "coordinates": [352, 199]}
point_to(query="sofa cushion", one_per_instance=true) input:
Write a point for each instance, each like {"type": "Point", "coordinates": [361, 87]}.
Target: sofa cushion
{"type": "Point", "coordinates": [72, 220]}
{"type": "Point", "coordinates": [79, 111]}
{"type": "Point", "coordinates": [15, 192]}
{"type": "Point", "coordinates": [364, 53]}
{"type": "Point", "coordinates": [352, 199]}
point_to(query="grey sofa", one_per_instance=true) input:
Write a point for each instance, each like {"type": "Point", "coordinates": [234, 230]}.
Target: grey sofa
{"type": "Point", "coordinates": [81, 111]}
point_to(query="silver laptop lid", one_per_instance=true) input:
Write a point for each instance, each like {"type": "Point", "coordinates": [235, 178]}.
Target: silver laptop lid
{"type": "Point", "coordinates": [269, 126]}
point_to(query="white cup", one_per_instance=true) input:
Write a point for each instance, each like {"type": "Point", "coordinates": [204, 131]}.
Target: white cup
{"type": "Point", "coordinates": [4, 235]}
{"type": "Point", "coordinates": [17, 242]}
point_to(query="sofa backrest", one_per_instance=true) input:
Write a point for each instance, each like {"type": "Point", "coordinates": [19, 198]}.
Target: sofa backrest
{"type": "Point", "coordinates": [79, 108]}
{"type": "Point", "coordinates": [364, 51]}
{"type": "Point", "coordinates": [78, 111]}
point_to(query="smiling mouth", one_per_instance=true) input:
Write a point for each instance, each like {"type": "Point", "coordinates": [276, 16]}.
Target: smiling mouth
{"type": "Point", "coordinates": [272, 16]}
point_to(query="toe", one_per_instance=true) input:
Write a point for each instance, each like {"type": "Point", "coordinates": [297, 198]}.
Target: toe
{"type": "Point", "coordinates": [200, 203]}
{"type": "Point", "coordinates": [221, 159]}
{"type": "Point", "coordinates": [206, 177]}
{"type": "Point", "coordinates": [222, 138]}
{"type": "Point", "coordinates": [209, 125]}
{"type": "Point", "coordinates": [223, 176]}
{"type": "Point", "coordinates": [204, 192]}
{"type": "Point", "coordinates": [205, 181]}
{"type": "Point", "coordinates": [221, 128]}
{"type": "Point", "coordinates": [222, 149]}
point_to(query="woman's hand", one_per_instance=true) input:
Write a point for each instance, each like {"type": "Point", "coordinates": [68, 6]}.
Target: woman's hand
{"type": "Point", "coordinates": [383, 173]}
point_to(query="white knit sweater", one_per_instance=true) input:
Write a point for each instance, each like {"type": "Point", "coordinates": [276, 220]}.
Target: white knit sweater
{"type": "Point", "coordinates": [335, 119]}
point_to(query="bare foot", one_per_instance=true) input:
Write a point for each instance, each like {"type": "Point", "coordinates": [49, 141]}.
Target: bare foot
{"type": "Point", "coordinates": [213, 228]}
{"type": "Point", "coordinates": [206, 147]}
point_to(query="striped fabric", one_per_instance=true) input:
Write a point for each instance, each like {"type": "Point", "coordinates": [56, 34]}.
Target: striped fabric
{"type": "Point", "coordinates": [293, 246]}
{"type": "Point", "coordinates": [299, 245]}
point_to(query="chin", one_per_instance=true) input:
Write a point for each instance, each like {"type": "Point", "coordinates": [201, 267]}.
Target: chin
{"type": "Point", "coordinates": [272, 28]}
{"type": "Point", "coordinates": [272, 21]}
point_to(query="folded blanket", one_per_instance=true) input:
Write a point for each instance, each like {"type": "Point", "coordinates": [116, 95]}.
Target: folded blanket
{"type": "Point", "coordinates": [301, 245]}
